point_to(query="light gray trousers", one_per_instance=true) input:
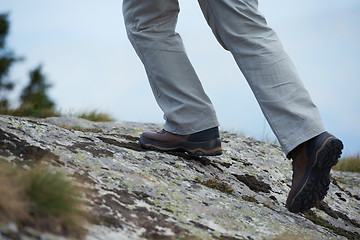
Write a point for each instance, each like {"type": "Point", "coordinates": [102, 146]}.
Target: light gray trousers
{"type": "Point", "coordinates": [239, 28]}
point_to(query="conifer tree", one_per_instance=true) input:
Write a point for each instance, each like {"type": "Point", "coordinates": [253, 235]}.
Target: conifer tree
{"type": "Point", "coordinates": [35, 94]}
{"type": "Point", "coordinates": [7, 59]}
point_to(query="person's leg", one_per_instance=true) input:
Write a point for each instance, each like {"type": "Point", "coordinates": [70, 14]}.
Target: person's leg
{"type": "Point", "coordinates": [150, 27]}
{"type": "Point", "coordinates": [285, 102]}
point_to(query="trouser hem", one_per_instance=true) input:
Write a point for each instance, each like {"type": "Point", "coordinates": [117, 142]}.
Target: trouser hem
{"type": "Point", "coordinates": [294, 142]}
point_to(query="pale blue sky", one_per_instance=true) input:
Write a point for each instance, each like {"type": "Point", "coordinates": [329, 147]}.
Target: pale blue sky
{"type": "Point", "coordinates": [86, 55]}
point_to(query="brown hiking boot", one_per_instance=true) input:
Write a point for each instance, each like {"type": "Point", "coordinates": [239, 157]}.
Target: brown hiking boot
{"type": "Point", "coordinates": [204, 143]}
{"type": "Point", "coordinates": [312, 162]}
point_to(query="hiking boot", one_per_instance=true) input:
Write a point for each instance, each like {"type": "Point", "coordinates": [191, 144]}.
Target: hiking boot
{"type": "Point", "coordinates": [204, 143]}
{"type": "Point", "coordinates": [312, 162]}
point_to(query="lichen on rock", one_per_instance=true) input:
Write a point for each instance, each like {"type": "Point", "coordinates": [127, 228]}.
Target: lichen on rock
{"type": "Point", "coordinates": [142, 194]}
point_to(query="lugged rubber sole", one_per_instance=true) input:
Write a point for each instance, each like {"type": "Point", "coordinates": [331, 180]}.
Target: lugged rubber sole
{"type": "Point", "coordinates": [317, 182]}
{"type": "Point", "coordinates": [329, 158]}
{"type": "Point", "coordinates": [206, 148]}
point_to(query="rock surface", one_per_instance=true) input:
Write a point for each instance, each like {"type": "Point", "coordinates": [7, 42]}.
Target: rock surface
{"type": "Point", "coordinates": [142, 194]}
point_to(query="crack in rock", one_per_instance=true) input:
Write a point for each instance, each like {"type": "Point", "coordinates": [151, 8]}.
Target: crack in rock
{"type": "Point", "coordinates": [253, 183]}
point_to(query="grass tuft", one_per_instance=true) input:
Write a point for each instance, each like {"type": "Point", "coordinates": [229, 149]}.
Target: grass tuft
{"type": "Point", "coordinates": [43, 200]}
{"type": "Point", "coordinates": [13, 203]}
{"type": "Point", "coordinates": [96, 116]}
{"type": "Point", "coordinates": [55, 203]}
{"type": "Point", "coordinates": [349, 164]}
{"type": "Point", "coordinates": [29, 111]}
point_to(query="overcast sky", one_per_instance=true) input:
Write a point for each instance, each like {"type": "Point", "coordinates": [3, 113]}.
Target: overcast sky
{"type": "Point", "coordinates": [87, 57]}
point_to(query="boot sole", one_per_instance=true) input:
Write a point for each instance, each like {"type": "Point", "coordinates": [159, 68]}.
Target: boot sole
{"type": "Point", "coordinates": [317, 182]}
{"type": "Point", "coordinates": [330, 157]}
{"type": "Point", "coordinates": [206, 148]}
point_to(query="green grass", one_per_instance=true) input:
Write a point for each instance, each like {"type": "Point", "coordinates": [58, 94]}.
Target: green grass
{"type": "Point", "coordinates": [41, 199]}
{"type": "Point", "coordinates": [349, 164]}
{"type": "Point", "coordinates": [95, 116]}
{"type": "Point", "coordinates": [29, 111]}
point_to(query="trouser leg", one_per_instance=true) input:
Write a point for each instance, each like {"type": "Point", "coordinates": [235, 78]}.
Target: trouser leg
{"type": "Point", "coordinates": [285, 102]}
{"type": "Point", "coordinates": [150, 26]}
